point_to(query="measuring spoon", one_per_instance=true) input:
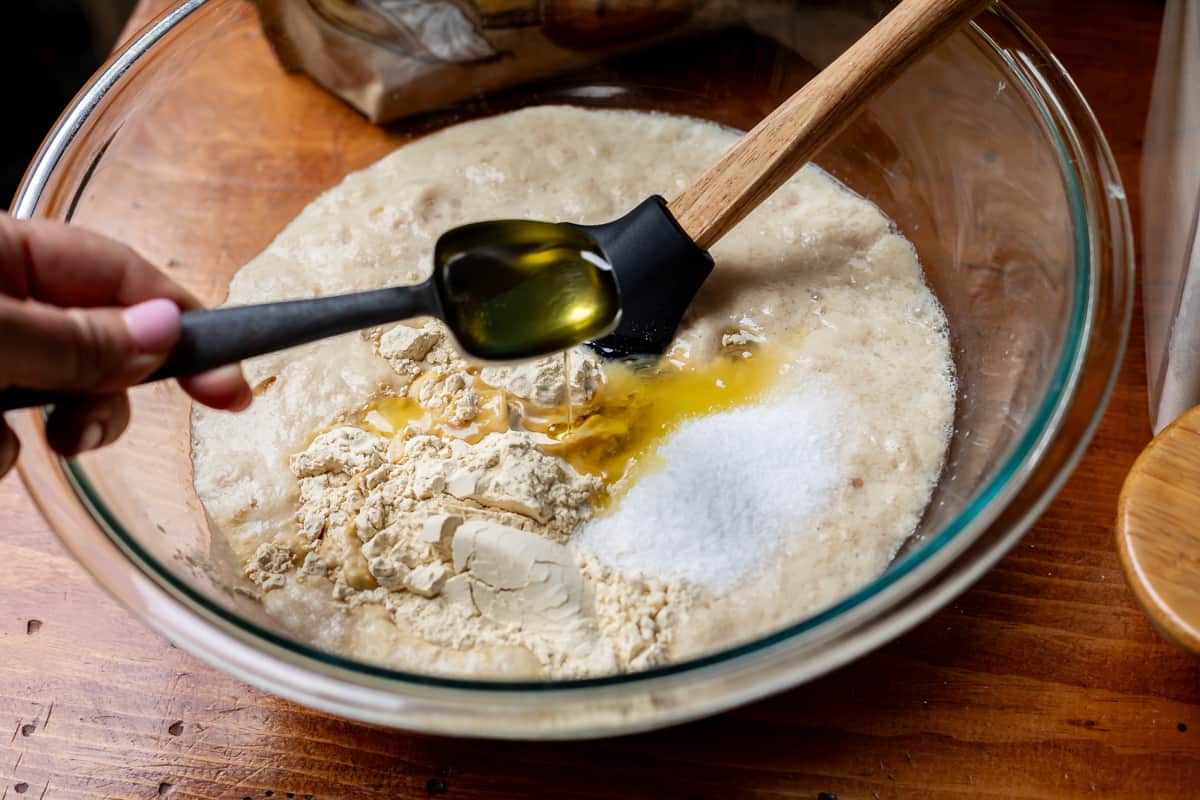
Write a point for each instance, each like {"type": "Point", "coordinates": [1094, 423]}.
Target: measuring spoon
{"type": "Point", "coordinates": [506, 289]}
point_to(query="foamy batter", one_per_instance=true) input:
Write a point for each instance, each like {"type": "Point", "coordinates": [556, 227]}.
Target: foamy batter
{"type": "Point", "coordinates": [395, 504]}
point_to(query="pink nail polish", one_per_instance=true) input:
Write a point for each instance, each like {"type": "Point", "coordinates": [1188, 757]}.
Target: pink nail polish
{"type": "Point", "coordinates": [154, 324]}
{"type": "Point", "coordinates": [92, 435]}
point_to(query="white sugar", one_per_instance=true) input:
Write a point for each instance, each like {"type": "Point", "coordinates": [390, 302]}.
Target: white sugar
{"type": "Point", "coordinates": [734, 489]}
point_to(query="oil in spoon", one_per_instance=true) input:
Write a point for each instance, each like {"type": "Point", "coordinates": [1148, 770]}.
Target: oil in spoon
{"type": "Point", "coordinates": [518, 289]}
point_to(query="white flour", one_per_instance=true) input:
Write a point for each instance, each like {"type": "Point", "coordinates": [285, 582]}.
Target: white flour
{"type": "Point", "coordinates": [734, 490]}
{"type": "Point", "coordinates": [445, 539]}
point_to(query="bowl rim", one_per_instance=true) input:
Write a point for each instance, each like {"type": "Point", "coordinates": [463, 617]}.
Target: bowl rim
{"type": "Point", "coordinates": [902, 578]}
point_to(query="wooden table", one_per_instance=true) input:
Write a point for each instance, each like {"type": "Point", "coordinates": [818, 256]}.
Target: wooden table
{"type": "Point", "coordinates": [1042, 681]}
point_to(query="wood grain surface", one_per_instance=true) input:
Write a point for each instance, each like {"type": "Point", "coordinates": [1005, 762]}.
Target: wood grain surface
{"type": "Point", "coordinates": [1158, 531]}
{"type": "Point", "coordinates": [791, 135]}
{"type": "Point", "coordinates": [1043, 681]}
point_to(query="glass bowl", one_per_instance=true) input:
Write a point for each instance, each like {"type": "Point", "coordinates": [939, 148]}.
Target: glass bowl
{"type": "Point", "coordinates": [984, 154]}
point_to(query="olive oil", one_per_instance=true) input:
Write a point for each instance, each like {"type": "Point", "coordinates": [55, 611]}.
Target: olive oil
{"type": "Point", "coordinates": [640, 404]}
{"type": "Point", "coordinates": [518, 288]}
{"type": "Point", "coordinates": [521, 289]}
{"type": "Point", "coordinates": [389, 416]}
{"type": "Point", "coordinates": [614, 435]}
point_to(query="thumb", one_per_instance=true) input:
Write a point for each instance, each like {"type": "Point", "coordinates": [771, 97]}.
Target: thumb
{"type": "Point", "coordinates": [89, 351]}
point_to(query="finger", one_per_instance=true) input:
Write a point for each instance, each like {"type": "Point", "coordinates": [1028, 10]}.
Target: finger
{"type": "Point", "coordinates": [88, 423]}
{"type": "Point", "coordinates": [10, 448]}
{"type": "Point", "coordinates": [89, 351]}
{"type": "Point", "coordinates": [224, 388]}
{"type": "Point", "coordinates": [65, 265]}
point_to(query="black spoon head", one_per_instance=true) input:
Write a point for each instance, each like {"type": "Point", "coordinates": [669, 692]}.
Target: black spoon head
{"type": "Point", "coordinates": [513, 289]}
{"type": "Point", "coordinates": [658, 268]}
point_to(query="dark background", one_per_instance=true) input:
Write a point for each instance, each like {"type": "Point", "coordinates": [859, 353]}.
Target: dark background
{"type": "Point", "coordinates": [48, 50]}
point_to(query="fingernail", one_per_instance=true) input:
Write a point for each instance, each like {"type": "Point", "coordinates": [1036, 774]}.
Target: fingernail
{"type": "Point", "coordinates": [154, 324]}
{"type": "Point", "coordinates": [92, 436]}
{"type": "Point", "coordinates": [243, 402]}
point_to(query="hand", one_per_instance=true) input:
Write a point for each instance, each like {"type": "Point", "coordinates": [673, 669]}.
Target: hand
{"type": "Point", "coordinates": [82, 314]}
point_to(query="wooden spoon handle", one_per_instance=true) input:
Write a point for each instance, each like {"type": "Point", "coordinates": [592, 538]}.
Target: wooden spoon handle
{"type": "Point", "coordinates": [787, 138]}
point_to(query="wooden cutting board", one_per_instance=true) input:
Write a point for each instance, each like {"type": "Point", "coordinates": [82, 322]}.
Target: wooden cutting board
{"type": "Point", "coordinates": [1042, 681]}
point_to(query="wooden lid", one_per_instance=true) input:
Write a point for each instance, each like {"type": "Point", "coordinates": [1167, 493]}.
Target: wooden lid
{"type": "Point", "coordinates": [1158, 531]}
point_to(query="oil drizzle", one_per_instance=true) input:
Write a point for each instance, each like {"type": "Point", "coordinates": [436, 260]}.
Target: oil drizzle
{"type": "Point", "coordinates": [639, 405]}
{"type": "Point", "coordinates": [568, 401]}
{"type": "Point", "coordinates": [612, 436]}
